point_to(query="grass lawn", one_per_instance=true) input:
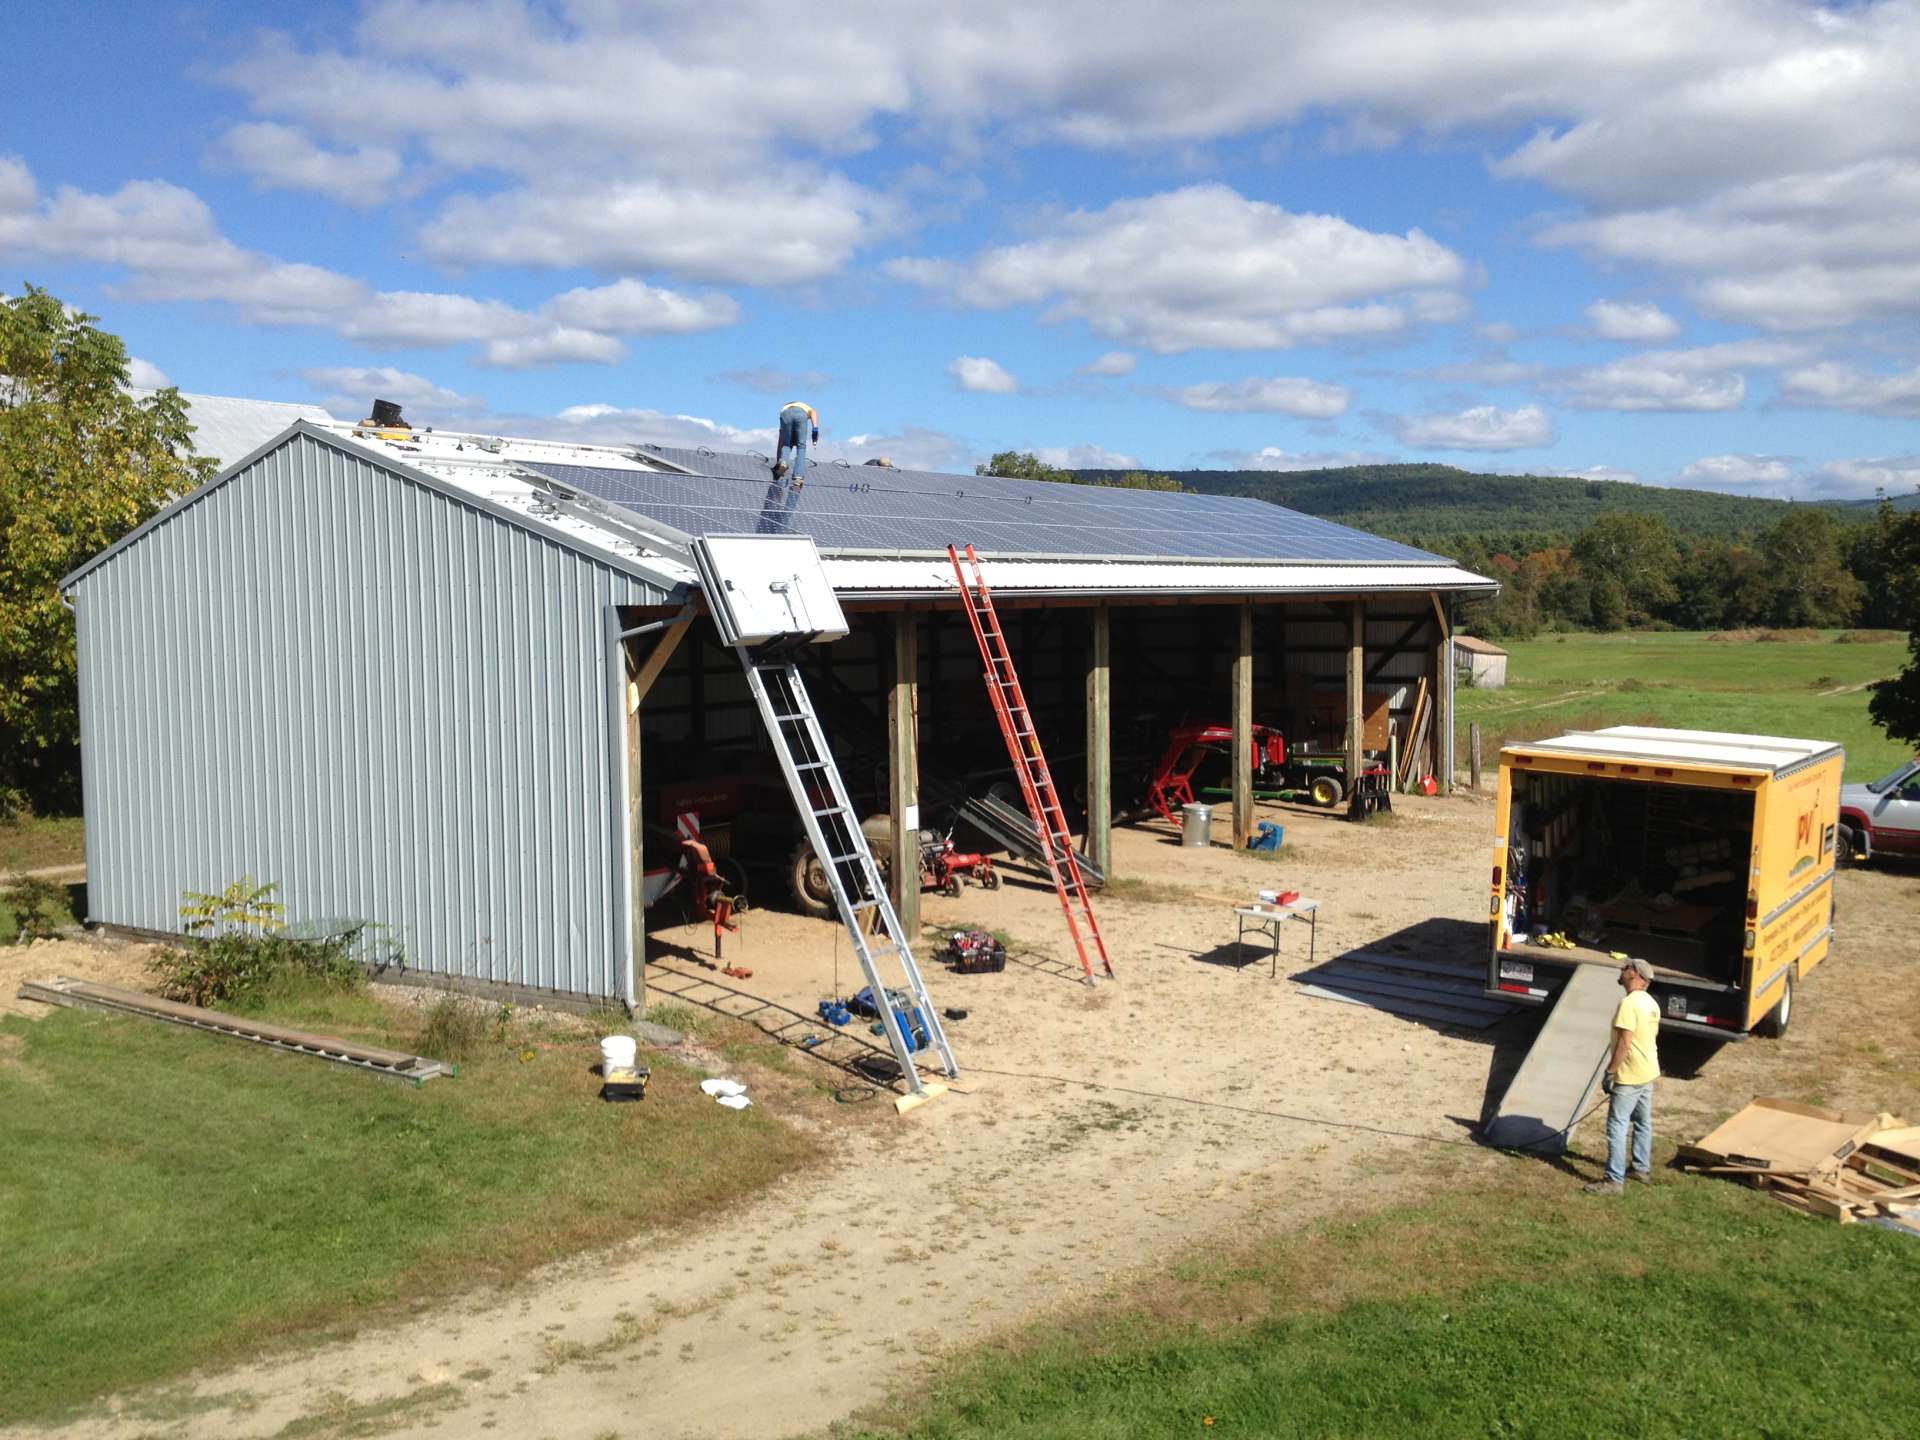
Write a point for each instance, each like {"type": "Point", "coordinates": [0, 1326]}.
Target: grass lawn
{"type": "Point", "coordinates": [171, 1200]}
{"type": "Point", "coordinates": [38, 843]}
{"type": "Point", "coordinates": [1698, 1308]}
{"type": "Point", "coordinates": [1558, 682]}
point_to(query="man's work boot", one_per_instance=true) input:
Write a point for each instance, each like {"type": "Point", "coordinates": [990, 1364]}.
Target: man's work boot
{"type": "Point", "coordinates": [1603, 1187]}
{"type": "Point", "coordinates": [1640, 1177]}
{"type": "Point", "coordinates": [779, 468]}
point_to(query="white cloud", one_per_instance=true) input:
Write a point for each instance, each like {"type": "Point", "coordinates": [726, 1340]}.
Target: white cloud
{"type": "Point", "coordinates": [1797, 252]}
{"type": "Point", "coordinates": [630, 307]}
{"type": "Point", "coordinates": [1897, 475]}
{"type": "Point", "coordinates": [1482, 427]}
{"type": "Point", "coordinates": [552, 345]}
{"type": "Point", "coordinates": [145, 375]}
{"type": "Point", "coordinates": [18, 193]}
{"type": "Point", "coordinates": [1836, 386]}
{"type": "Point", "coordinates": [769, 380]}
{"type": "Point", "coordinates": [913, 447]}
{"type": "Point", "coordinates": [1705, 378]}
{"type": "Point", "coordinates": [605, 424]}
{"type": "Point", "coordinates": [1278, 395]}
{"type": "Point", "coordinates": [1641, 111]}
{"type": "Point", "coordinates": [279, 157]}
{"type": "Point", "coordinates": [1114, 362]}
{"type": "Point", "coordinates": [1761, 474]}
{"type": "Point", "coordinates": [1595, 472]}
{"type": "Point", "coordinates": [345, 388]}
{"type": "Point", "coordinates": [1631, 320]}
{"type": "Point", "coordinates": [1272, 457]}
{"type": "Point", "coordinates": [1204, 266]}
{"type": "Point", "coordinates": [1086, 456]}
{"type": "Point", "coordinates": [1497, 332]}
{"type": "Point", "coordinates": [166, 241]}
{"type": "Point", "coordinates": [1484, 372]}
{"type": "Point", "coordinates": [981, 376]}
{"type": "Point", "coordinates": [1647, 385]}
{"type": "Point", "coordinates": [760, 229]}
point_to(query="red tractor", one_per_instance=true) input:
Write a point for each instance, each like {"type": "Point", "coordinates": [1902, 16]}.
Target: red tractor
{"type": "Point", "coordinates": [1277, 774]}
{"type": "Point", "coordinates": [942, 867]}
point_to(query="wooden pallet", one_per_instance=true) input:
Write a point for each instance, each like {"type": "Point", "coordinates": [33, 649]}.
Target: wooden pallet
{"type": "Point", "coordinates": [1833, 1164]}
{"type": "Point", "coordinates": [113, 1000]}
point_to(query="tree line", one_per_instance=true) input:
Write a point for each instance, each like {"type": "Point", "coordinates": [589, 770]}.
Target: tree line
{"type": "Point", "coordinates": [1806, 569]}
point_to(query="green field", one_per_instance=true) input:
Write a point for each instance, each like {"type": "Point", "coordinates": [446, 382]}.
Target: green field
{"type": "Point", "coordinates": [1579, 681]}
{"type": "Point", "coordinates": [1697, 1308]}
{"type": "Point", "coordinates": [173, 1200]}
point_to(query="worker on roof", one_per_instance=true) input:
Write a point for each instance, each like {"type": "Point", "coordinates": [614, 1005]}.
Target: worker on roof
{"type": "Point", "coordinates": [798, 421]}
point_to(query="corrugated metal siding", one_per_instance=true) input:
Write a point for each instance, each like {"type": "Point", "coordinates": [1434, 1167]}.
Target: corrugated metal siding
{"type": "Point", "coordinates": [391, 703]}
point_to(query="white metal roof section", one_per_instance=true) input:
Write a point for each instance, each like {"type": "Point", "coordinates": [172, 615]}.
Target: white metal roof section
{"type": "Point", "coordinates": [492, 468]}
{"type": "Point", "coordinates": [878, 578]}
{"type": "Point", "coordinates": [228, 427]}
{"type": "Point", "coordinates": [1753, 754]}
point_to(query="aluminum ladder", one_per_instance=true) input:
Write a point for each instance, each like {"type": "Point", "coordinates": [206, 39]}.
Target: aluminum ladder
{"type": "Point", "coordinates": [833, 828]}
{"type": "Point", "coordinates": [1029, 762]}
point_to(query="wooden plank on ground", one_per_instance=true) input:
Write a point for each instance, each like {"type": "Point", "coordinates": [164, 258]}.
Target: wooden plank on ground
{"type": "Point", "coordinates": [113, 999]}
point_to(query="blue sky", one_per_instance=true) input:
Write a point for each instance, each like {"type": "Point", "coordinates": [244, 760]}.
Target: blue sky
{"type": "Point", "coordinates": [1668, 243]}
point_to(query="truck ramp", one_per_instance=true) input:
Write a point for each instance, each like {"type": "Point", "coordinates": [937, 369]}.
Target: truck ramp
{"type": "Point", "coordinates": [1557, 1080]}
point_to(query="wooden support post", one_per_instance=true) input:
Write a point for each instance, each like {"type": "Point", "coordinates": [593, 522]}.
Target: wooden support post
{"type": "Point", "coordinates": [1243, 730]}
{"type": "Point", "coordinates": [1100, 742]}
{"type": "Point", "coordinates": [642, 678]}
{"type": "Point", "coordinates": [1473, 753]}
{"type": "Point", "coordinates": [1441, 754]}
{"type": "Point", "coordinates": [1356, 689]}
{"type": "Point", "coordinates": [903, 773]}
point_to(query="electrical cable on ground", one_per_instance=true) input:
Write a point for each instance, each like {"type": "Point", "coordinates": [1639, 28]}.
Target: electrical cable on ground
{"type": "Point", "coordinates": [1255, 1110]}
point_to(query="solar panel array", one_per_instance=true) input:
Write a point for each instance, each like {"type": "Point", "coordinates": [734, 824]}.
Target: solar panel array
{"type": "Point", "coordinates": [851, 509]}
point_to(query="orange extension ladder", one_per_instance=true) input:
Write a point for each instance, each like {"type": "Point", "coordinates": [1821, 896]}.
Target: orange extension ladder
{"type": "Point", "coordinates": [1029, 761]}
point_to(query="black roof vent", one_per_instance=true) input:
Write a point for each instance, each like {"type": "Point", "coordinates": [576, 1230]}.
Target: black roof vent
{"type": "Point", "coordinates": [386, 415]}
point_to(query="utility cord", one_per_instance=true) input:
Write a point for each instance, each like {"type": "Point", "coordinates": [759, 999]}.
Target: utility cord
{"type": "Point", "coordinates": [1298, 1119]}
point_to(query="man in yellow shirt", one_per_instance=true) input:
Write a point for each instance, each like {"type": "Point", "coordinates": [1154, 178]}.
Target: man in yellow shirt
{"type": "Point", "coordinates": [1632, 1067]}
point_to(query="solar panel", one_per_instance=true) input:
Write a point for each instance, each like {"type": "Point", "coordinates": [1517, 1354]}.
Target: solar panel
{"type": "Point", "coordinates": [854, 509]}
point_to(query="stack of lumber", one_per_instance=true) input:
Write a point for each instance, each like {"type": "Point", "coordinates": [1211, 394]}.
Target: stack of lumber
{"type": "Point", "coordinates": [1419, 721]}
{"type": "Point", "coordinates": [1843, 1165]}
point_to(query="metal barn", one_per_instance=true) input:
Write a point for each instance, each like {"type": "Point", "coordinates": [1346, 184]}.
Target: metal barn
{"type": "Point", "coordinates": [459, 687]}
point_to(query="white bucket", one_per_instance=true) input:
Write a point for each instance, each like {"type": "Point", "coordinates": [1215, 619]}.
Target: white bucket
{"type": "Point", "coordinates": [617, 1052]}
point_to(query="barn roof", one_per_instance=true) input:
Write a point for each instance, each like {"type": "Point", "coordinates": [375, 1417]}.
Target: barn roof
{"type": "Point", "coordinates": [883, 532]}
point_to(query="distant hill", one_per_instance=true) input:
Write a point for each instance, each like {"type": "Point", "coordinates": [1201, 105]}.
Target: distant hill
{"type": "Point", "coordinates": [1424, 502]}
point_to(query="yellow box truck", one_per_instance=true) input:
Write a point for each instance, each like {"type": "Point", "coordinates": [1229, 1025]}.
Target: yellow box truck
{"type": "Point", "coordinates": [1709, 855]}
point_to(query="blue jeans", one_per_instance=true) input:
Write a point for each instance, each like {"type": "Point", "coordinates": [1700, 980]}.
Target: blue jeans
{"type": "Point", "coordinates": [795, 424]}
{"type": "Point", "coordinates": [1630, 1105]}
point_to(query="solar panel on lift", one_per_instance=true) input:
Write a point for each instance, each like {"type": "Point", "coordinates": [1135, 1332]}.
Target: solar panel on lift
{"type": "Point", "coordinates": [874, 508]}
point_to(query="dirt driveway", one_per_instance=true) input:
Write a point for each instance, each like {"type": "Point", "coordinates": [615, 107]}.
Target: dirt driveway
{"type": "Point", "coordinates": [1220, 1100]}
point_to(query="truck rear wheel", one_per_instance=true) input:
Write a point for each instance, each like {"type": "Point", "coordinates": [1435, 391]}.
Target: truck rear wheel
{"type": "Point", "coordinates": [1775, 1022]}
{"type": "Point", "coordinates": [1845, 846]}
